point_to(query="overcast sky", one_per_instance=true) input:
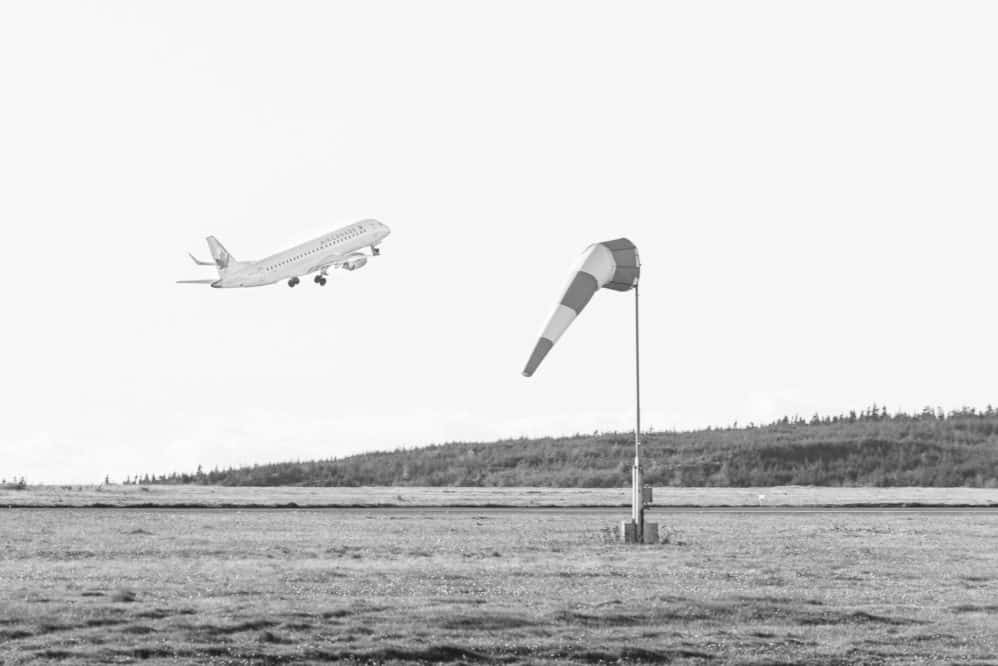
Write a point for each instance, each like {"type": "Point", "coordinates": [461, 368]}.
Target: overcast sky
{"type": "Point", "coordinates": [811, 187]}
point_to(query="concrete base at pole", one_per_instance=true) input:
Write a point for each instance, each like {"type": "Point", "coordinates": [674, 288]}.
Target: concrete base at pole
{"type": "Point", "coordinates": [651, 533]}
{"type": "Point", "coordinates": [628, 532]}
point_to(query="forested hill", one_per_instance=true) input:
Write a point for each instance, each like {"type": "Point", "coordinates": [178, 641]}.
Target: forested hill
{"type": "Point", "coordinates": [871, 448]}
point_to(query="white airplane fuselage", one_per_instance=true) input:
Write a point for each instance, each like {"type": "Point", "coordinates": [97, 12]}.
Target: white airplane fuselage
{"type": "Point", "coordinates": [337, 249]}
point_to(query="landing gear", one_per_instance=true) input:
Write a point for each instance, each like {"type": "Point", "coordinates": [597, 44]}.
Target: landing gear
{"type": "Point", "coordinates": [320, 280]}
{"type": "Point", "coordinates": [293, 281]}
{"type": "Point", "coordinates": [375, 251]}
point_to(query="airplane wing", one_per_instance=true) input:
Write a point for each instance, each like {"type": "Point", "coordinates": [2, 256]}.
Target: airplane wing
{"type": "Point", "coordinates": [335, 263]}
{"type": "Point", "coordinates": [197, 281]}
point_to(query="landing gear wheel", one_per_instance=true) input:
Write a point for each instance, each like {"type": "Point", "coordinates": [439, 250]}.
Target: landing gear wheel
{"type": "Point", "coordinates": [318, 278]}
{"type": "Point", "coordinates": [321, 281]}
{"type": "Point", "coordinates": [293, 281]}
{"type": "Point", "coordinates": [375, 251]}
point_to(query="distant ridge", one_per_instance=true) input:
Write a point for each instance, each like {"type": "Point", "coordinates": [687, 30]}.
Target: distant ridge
{"type": "Point", "coordinates": [869, 448]}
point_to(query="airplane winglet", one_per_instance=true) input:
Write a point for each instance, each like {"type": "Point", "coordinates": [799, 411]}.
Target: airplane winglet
{"type": "Point", "coordinates": [199, 262]}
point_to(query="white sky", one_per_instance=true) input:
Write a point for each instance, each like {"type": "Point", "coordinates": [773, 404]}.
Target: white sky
{"type": "Point", "coordinates": [811, 187]}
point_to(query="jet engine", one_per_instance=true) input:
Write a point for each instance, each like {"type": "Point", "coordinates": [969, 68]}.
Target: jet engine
{"type": "Point", "coordinates": [354, 261]}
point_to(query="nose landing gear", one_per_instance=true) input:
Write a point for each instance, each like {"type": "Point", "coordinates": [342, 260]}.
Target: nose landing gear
{"type": "Point", "coordinates": [293, 281]}
{"type": "Point", "coordinates": [375, 251]}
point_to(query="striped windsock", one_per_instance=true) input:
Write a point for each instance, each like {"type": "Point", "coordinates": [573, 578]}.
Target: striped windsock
{"type": "Point", "coordinates": [612, 264]}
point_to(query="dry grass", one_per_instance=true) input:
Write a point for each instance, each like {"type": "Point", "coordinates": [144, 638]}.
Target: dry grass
{"type": "Point", "coordinates": [219, 496]}
{"type": "Point", "coordinates": [230, 586]}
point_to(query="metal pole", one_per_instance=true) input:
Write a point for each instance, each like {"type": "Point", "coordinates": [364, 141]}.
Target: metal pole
{"type": "Point", "coordinates": [637, 498]}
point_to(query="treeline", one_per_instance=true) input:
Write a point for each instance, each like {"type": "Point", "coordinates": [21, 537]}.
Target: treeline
{"type": "Point", "coordinates": [869, 448]}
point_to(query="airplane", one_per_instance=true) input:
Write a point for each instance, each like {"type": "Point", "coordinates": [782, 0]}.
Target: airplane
{"type": "Point", "coordinates": [339, 249]}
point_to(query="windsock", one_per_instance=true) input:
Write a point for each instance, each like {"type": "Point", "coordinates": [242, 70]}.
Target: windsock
{"type": "Point", "coordinates": [612, 264]}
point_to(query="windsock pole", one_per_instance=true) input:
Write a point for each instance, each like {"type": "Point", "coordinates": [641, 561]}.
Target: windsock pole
{"type": "Point", "coordinates": [637, 498]}
{"type": "Point", "coordinates": [614, 265]}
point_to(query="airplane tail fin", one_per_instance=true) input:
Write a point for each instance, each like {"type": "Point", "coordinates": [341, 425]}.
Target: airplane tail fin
{"type": "Point", "coordinates": [219, 254]}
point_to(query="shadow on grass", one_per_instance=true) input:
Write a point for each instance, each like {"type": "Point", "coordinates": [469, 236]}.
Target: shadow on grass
{"type": "Point", "coordinates": [855, 617]}
{"type": "Point", "coordinates": [628, 655]}
{"type": "Point", "coordinates": [215, 631]}
{"type": "Point", "coordinates": [971, 608]}
{"type": "Point", "coordinates": [485, 622]}
{"type": "Point", "coordinates": [14, 634]}
{"type": "Point", "coordinates": [793, 612]}
{"type": "Point", "coordinates": [160, 613]}
{"type": "Point", "coordinates": [437, 653]}
{"type": "Point", "coordinates": [271, 637]}
{"type": "Point", "coordinates": [356, 609]}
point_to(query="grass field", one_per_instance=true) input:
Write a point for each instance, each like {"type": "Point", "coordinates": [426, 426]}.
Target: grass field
{"type": "Point", "coordinates": [489, 585]}
{"type": "Point", "coordinates": [213, 496]}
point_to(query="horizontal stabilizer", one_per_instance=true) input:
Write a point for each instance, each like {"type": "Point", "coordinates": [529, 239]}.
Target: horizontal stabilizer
{"type": "Point", "coordinates": [199, 262]}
